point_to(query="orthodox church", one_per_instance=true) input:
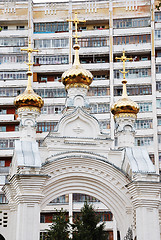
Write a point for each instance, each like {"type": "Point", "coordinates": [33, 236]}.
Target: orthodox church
{"type": "Point", "coordinates": [79, 157]}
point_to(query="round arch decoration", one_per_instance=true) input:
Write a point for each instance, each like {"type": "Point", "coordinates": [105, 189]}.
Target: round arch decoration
{"type": "Point", "coordinates": [1, 237]}
{"type": "Point", "coordinates": [94, 177]}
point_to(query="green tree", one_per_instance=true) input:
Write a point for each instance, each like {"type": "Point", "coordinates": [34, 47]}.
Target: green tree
{"type": "Point", "coordinates": [59, 230]}
{"type": "Point", "coordinates": [87, 226]}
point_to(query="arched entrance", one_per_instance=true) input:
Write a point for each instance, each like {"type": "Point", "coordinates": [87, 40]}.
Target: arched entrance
{"type": "Point", "coordinates": [1, 237]}
{"type": "Point", "coordinates": [94, 177]}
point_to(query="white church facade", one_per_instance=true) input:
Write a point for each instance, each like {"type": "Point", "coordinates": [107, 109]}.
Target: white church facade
{"type": "Point", "coordinates": [80, 158]}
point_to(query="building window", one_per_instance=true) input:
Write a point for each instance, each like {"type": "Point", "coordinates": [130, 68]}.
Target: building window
{"type": "Point", "coordinates": [2, 163]}
{"type": "Point", "coordinates": [4, 144]}
{"type": "Point", "coordinates": [92, 42]}
{"type": "Point", "coordinates": [13, 58]}
{"type": "Point", "coordinates": [134, 90]}
{"type": "Point", "coordinates": [16, 42]}
{"type": "Point", "coordinates": [46, 126]}
{"type": "Point", "coordinates": [131, 23]}
{"type": "Point", "coordinates": [60, 199]}
{"type": "Point", "coordinates": [50, 93]}
{"type": "Point", "coordinates": [51, 27]}
{"type": "Point", "coordinates": [51, 60]}
{"type": "Point", "coordinates": [79, 197]}
{"type": "Point", "coordinates": [99, 91]}
{"type": "Point", "coordinates": [12, 75]}
{"type": "Point", "coordinates": [52, 43]}
{"type": "Point", "coordinates": [145, 107]}
{"type": "Point", "coordinates": [123, 40]}
{"type": "Point", "coordinates": [2, 128]}
{"type": "Point", "coordinates": [144, 124]}
{"type": "Point", "coordinates": [134, 73]}
{"type": "Point", "coordinates": [20, 27]}
{"type": "Point", "coordinates": [3, 111]}
{"type": "Point", "coordinates": [3, 199]}
{"type": "Point", "coordinates": [57, 109]}
{"type": "Point", "coordinates": [143, 141]}
{"type": "Point", "coordinates": [100, 108]}
{"type": "Point", "coordinates": [104, 124]}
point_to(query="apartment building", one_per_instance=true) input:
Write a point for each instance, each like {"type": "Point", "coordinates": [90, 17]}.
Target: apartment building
{"type": "Point", "coordinates": [109, 28]}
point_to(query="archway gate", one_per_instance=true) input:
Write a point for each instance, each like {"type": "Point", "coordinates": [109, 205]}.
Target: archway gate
{"type": "Point", "coordinates": [94, 177]}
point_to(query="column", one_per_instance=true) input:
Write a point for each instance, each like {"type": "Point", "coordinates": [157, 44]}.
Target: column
{"type": "Point", "coordinates": [114, 229]}
{"type": "Point", "coordinates": [70, 34]}
{"type": "Point", "coordinates": [146, 200]}
{"type": "Point", "coordinates": [111, 65]}
{"type": "Point", "coordinates": [26, 191]}
{"type": "Point", "coordinates": [153, 74]}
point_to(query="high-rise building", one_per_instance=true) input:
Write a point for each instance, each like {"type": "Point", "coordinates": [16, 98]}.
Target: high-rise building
{"type": "Point", "coordinates": [106, 28]}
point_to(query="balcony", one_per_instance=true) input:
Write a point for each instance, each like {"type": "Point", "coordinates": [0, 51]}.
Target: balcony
{"type": "Point", "coordinates": [142, 47]}
{"type": "Point", "coordinates": [14, 33]}
{"type": "Point", "coordinates": [132, 80]}
{"type": "Point", "coordinates": [133, 64]}
{"type": "Point", "coordinates": [6, 117]}
{"type": "Point", "coordinates": [131, 31]}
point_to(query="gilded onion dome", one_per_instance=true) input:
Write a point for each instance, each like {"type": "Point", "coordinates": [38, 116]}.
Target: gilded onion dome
{"type": "Point", "coordinates": [124, 106]}
{"type": "Point", "coordinates": [29, 99]}
{"type": "Point", "coordinates": [77, 76]}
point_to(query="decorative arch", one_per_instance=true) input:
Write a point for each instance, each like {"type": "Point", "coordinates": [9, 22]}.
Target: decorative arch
{"type": "Point", "coordinates": [94, 177]}
{"type": "Point", "coordinates": [1, 237]}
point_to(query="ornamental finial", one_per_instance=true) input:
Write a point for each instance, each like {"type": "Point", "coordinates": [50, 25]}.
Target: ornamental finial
{"type": "Point", "coordinates": [76, 21]}
{"type": "Point", "coordinates": [123, 59]}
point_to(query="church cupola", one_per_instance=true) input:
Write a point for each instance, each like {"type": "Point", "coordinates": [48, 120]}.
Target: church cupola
{"type": "Point", "coordinates": [28, 105]}
{"type": "Point", "coordinates": [77, 79]}
{"type": "Point", "coordinates": [125, 112]}
{"type": "Point", "coordinates": [29, 99]}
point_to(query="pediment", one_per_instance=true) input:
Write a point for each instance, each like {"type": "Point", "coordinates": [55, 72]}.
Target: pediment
{"type": "Point", "coordinates": [79, 124]}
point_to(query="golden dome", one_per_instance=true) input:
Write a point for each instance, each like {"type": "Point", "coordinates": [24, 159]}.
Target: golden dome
{"type": "Point", "coordinates": [77, 76]}
{"type": "Point", "coordinates": [124, 106]}
{"type": "Point", "coordinates": [29, 99]}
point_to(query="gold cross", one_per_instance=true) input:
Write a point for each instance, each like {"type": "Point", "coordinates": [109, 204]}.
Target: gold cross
{"type": "Point", "coordinates": [29, 50]}
{"type": "Point", "coordinates": [123, 58]}
{"type": "Point", "coordinates": [76, 21]}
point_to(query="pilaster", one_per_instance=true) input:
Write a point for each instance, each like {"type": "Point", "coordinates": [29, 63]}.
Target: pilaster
{"type": "Point", "coordinates": [146, 199]}
{"type": "Point", "coordinates": [25, 191]}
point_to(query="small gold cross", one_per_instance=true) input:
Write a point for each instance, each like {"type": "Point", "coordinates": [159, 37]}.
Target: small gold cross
{"type": "Point", "coordinates": [29, 50]}
{"type": "Point", "coordinates": [123, 59]}
{"type": "Point", "coordinates": [76, 21]}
